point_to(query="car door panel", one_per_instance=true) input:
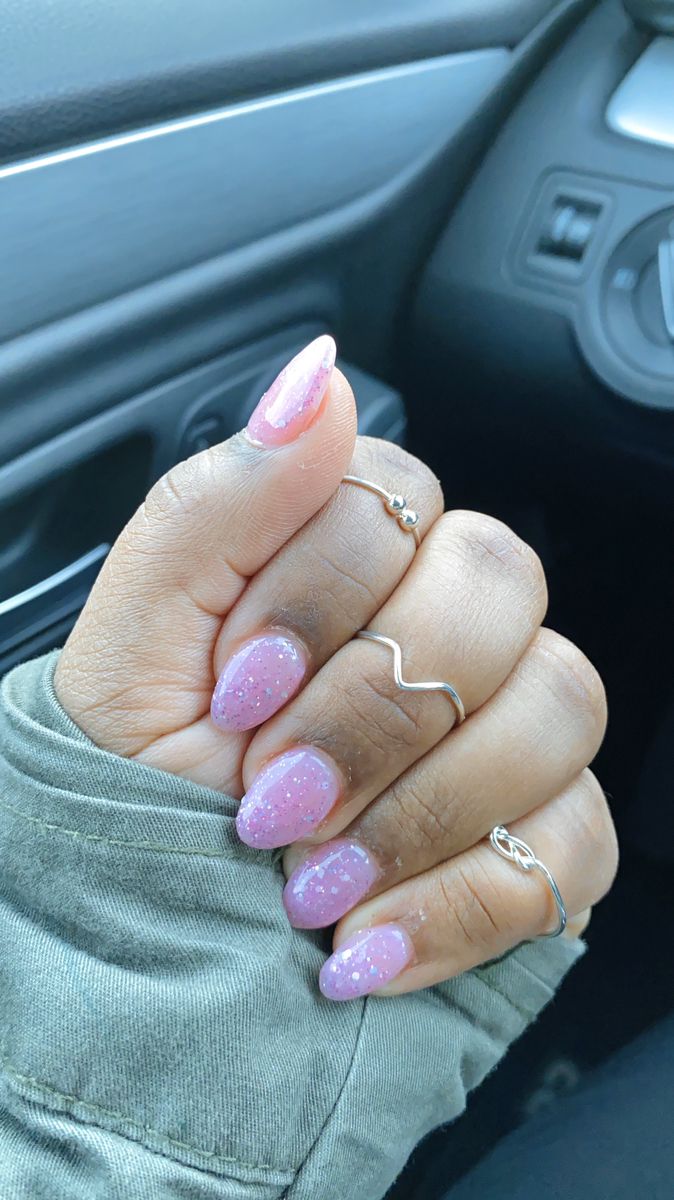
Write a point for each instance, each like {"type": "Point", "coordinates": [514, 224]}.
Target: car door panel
{"type": "Point", "coordinates": [166, 248]}
{"type": "Point", "coordinates": [146, 204]}
{"type": "Point", "coordinates": [84, 69]}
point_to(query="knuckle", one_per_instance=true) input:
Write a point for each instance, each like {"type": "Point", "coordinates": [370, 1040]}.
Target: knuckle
{"type": "Point", "coordinates": [388, 722]}
{"type": "Point", "coordinates": [344, 586]}
{"type": "Point", "coordinates": [179, 492]}
{"type": "Point", "coordinates": [425, 824]}
{"type": "Point", "coordinates": [472, 902]}
{"type": "Point", "coordinates": [362, 723]}
{"type": "Point", "coordinates": [573, 678]}
{"type": "Point", "coordinates": [400, 471]}
{"type": "Point", "coordinates": [493, 545]}
{"type": "Point", "coordinates": [169, 528]}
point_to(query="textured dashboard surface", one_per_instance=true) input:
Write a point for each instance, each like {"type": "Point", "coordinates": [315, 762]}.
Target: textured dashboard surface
{"type": "Point", "coordinates": [141, 207]}
{"type": "Point", "coordinates": [85, 68]}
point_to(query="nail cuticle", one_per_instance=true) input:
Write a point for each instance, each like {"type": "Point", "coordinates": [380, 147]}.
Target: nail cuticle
{"type": "Point", "coordinates": [251, 440]}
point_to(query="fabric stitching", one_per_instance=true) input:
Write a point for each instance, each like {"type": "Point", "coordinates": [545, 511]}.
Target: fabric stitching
{"type": "Point", "coordinates": [493, 1034]}
{"type": "Point", "coordinates": [99, 1109]}
{"type": "Point", "coordinates": [19, 765]}
{"type": "Point", "coordinates": [338, 1097]}
{"type": "Point", "coordinates": [534, 975]}
{"type": "Point", "coordinates": [526, 1014]}
{"type": "Point", "coordinates": [156, 847]}
{"type": "Point", "coordinates": [22, 767]}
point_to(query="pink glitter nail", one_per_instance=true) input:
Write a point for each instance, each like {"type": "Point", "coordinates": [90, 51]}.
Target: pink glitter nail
{"type": "Point", "coordinates": [289, 798]}
{"type": "Point", "coordinates": [367, 961]}
{"type": "Point", "coordinates": [289, 406]}
{"type": "Point", "coordinates": [328, 883]}
{"type": "Point", "coordinates": [258, 680]}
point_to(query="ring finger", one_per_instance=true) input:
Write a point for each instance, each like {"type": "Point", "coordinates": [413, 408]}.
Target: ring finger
{"type": "Point", "coordinates": [466, 610]}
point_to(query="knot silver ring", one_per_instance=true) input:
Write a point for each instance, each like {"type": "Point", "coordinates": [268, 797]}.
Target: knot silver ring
{"type": "Point", "coordinates": [431, 686]}
{"type": "Point", "coordinates": [396, 505]}
{"type": "Point", "coordinates": [517, 851]}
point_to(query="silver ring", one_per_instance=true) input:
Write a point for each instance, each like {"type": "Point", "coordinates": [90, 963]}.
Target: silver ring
{"type": "Point", "coordinates": [394, 504]}
{"type": "Point", "coordinates": [518, 852]}
{"type": "Point", "coordinates": [433, 686]}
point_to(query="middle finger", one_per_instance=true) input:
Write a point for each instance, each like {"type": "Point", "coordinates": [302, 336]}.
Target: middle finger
{"type": "Point", "coordinates": [466, 610]}
{"type": "Point", "coordinates": [523, 747]}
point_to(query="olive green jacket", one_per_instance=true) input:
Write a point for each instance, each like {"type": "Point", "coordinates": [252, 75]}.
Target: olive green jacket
{"type": "Point", "coordinates": [162, 1031]}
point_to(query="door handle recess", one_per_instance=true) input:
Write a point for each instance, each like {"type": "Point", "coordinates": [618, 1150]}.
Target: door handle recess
{"type": "Point", "coordinates": [44, 603]}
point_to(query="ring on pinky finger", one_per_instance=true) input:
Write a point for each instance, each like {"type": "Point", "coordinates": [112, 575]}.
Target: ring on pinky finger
{"type": "Point", "coordinates": [476, 907]}
{"type": "Point", "coordinates": [516, 851]}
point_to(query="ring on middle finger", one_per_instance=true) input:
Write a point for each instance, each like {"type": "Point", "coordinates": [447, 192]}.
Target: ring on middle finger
{"type": "Point", "coordinates": [436, 685]}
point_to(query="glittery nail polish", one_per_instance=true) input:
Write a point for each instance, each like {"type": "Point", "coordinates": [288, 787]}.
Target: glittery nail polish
{"type": "Point", "coordinates": [257, 680]}
{"type": "Point", "coordinates": [367, 961]}
{"type": "Point", "coordinates": [288, 798]}
{"type": "Point", "coordinates": [289, 406]}
{"type": "Point", "coordinates": [328, 883]}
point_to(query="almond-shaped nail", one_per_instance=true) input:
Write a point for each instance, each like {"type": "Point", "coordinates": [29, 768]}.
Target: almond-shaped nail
{"type": "Point", "coordinates": [329, 883]}
{"type": "Point", "coordinates": [288, 798]}
{"type": "Point", "coordinates": [365, 962]}
{"type": "Point", "coordinates": [288, 408]}
{"type": "Point", "coordinates": [257, 681]}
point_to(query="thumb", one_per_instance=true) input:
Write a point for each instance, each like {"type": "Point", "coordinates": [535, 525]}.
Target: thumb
{"type": "Point", "coordinates": [185, 557]}
{"type": "Point", "coordinates": [217, 518]}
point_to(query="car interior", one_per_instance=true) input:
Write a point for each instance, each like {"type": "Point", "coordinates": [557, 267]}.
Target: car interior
{"type": "Point", "coordinates": [476, 197]}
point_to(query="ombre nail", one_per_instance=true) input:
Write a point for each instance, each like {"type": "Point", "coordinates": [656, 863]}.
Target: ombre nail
{"type": "Point", "coordinates": [328, 883]}
{"type": "Point", "coordinates": [367, 961]}
{"type": "Point", "coordinates": [256, 681]}
{"type": "Point", "coordinates": [289, 798]}
{"type": "Point", "coordinates": [289, 406]}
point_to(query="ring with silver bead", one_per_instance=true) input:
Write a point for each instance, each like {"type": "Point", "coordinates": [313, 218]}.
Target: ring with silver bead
{"type": "Point", "coordinates": [395, 504]}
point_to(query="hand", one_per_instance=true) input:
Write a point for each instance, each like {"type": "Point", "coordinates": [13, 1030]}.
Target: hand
{"type": "Point", "coordinates": [252, 564]}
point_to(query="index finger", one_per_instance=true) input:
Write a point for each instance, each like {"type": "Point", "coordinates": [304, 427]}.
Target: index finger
{"type": "Point", "coordinates": [322, 586]}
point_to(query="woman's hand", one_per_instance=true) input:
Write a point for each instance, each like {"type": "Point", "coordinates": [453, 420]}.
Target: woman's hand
{"type": "Point", "coordinates": [251, 564]}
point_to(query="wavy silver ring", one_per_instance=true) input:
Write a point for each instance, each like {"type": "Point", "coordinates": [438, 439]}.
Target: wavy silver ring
{"type": "Point", "coordinates": [518, 852]}
{"type": "Point", "coordinates": [394, 504]}
{"type": "Point", "coordinates": [433, 686]}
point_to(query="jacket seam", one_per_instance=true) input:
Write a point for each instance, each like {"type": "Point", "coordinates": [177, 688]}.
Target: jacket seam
{"type": "Point", "coordinates": [100, 1110]}
{"type": "Point", "coordinates": [525, 1013]}
{"type": "Point", "coordinates": [153, 847]}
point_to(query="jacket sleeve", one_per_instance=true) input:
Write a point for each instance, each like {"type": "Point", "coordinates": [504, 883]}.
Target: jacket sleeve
{"type": "Point", "coordinates": [162, 1031]}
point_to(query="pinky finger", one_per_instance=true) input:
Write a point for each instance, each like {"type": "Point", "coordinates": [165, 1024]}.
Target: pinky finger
{"type": "Point", "coordinates": [576, 927]}
{"type": "Point", "coordinates": [476, 906]}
